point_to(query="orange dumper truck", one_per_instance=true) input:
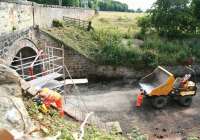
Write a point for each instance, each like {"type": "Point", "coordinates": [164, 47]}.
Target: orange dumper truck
{"type": "Point", "coordinates": [160, 85]}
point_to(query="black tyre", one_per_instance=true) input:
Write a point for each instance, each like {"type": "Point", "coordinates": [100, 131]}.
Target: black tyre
{"type": "Point", "coordinates": [185, 100]}
{"type": "Point", "coordinates": [159, 102]}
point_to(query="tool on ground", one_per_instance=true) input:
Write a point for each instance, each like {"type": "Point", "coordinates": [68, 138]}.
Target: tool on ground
{"type": "Point", "coordinates": [39, 102]}
{"type": "Point", "coordinates": [47, 97]}
{"type": "Point", "coordinates": [161, 84]}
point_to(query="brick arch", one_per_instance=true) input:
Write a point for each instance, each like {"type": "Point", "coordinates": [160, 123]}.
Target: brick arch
{"type": "Point", "coordinates": [25, 45]}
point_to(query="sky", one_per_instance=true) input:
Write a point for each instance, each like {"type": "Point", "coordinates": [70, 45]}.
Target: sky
{"type": "Point", "coordinates": [135, 4]}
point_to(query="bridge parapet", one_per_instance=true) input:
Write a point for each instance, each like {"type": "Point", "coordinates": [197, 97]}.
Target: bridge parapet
{"type": "Point", "coordinates": [10, 44]}
{"type": "Point", "coordinates": [18, 15]}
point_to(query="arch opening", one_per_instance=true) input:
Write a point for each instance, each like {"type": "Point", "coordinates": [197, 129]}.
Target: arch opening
{"type": "Point", "coordinates": [23, 60]}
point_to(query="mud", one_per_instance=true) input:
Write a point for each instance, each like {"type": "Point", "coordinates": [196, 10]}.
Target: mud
{"type": "Point", "coordinates": [116, 102]}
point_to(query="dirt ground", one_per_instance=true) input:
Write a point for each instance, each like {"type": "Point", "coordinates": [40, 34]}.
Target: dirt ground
{"type": "Point", "coordinates": [115, 101]}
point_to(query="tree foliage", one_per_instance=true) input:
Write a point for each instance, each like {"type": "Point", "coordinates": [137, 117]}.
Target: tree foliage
{"type": "Point", "coordinates": [196, 9]}
{"type": "Point", "coordinates": [56, 2]}
{"type": "Point", "coordinates": [110, 5]}
{"type": "Point", "coordinates": [173, 17]}
{"type": "Point", "coordinates": [104, 5]}
{"type": "Point", "coordinates": [71, 3]}
{"type": "Point", "coordinates": [93, 4]}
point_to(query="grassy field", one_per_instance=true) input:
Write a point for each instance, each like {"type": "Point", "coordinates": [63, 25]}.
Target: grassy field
{"type": "Point", "coordinates": [125, 23]}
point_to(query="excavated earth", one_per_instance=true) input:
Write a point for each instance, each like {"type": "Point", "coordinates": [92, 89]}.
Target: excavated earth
{"type": "Point", "coordinates": [115, 101]}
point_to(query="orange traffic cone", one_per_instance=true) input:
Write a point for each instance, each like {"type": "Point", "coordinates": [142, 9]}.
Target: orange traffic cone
{"type": "Point", "coordinates": [139, 100]}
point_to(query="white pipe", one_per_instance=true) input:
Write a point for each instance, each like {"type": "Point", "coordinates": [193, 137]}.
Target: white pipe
{"type": "Point", "coordinates": [83, 125]}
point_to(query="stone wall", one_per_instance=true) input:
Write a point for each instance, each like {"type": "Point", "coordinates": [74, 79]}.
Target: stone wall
{"type": "Point", "coordinates": [14, 17]}
{"type": "Point", "coordinates": [12, 43]}
{"type": "Point", "coordinates": [17, 16]}
{"type": "Point", "coordinates": [13, 114]}
{"type": "Point", "coordinates": [79, 66]}
{"type": "Point", "coordinates": [45, 15]}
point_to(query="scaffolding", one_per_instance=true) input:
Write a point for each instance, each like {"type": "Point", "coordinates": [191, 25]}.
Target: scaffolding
{"type": "Point", "coordinates": [45, 69]}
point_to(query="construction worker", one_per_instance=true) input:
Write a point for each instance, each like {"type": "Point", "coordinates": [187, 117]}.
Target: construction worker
{"type": "Point", "coordinates": [139, 99]}
{"type": "Point", "coordinates": [49, 97]}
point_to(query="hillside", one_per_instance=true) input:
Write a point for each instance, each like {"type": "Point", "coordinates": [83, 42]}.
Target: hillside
{"type": "Point", "coordinates": [116, 40]}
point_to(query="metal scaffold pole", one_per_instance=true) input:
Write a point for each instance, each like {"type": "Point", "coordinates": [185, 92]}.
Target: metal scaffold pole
{"type": "Point", "coordinates": [22, 68]}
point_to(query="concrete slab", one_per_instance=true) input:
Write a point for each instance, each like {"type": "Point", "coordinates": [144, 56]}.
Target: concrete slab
{"type": "Point", "coordinates": [41, 81]}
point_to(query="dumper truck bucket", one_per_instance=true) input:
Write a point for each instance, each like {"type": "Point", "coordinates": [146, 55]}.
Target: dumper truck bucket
{"type": "Point", "coordinates": [159, 82]}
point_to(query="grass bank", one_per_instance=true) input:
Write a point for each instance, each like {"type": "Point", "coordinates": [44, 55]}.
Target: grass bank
{"type": "Point", "coordinates": [112, 42]}
{"type": "Point", "coordinates": [50, 124]}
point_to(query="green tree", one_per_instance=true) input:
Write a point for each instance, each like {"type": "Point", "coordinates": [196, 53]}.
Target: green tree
{"type": "Point", "coordinates": [172, 18]}
{"type": "Point", "coordinates": [71, 2]}
{"type": "Point", "coordinates": [139, 10]}
{"type": "Point", "coordinates": [56, 2]}
{"type": "Point", "coordinates": [94, 4]}
{"type": "Point", "coordinates": [196, 9]}
{"type": "Point", "coordinates": [110, 5]}
{"type": "Point", "coordinates": [195, 5]}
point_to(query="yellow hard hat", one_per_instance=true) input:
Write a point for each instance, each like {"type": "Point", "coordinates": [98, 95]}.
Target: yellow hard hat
{"type": "Point", "coordinates": [45, 90]}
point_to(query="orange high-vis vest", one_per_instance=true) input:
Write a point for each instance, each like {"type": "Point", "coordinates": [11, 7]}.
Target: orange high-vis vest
{"type": "Point", "coordinates": [139, 100]}
{"type": "Point", "coordinates": [50, 97]}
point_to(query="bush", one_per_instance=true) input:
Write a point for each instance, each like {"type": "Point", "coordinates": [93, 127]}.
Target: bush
{"type": "Point", "coordinates": [57, 23]}
{"type": "Point", "coordinates": [149, 58]}
{"type": "Point", "coordinates": [113, 52]}
{"type": "Point", "coordinates": [145, 24]}
{"type": "Point", "coordinates": [171, 52]}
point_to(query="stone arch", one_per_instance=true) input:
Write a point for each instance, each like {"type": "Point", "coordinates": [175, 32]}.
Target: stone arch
{"type": "Point", "coordinates": [25, 46]}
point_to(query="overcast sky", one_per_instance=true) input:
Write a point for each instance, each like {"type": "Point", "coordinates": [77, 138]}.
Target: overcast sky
{"type": "Point", "coordinates": [134, 4]}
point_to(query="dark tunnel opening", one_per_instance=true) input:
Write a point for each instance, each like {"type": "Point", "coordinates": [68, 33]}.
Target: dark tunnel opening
{"type": "Point", "coordinates": [22, 61]}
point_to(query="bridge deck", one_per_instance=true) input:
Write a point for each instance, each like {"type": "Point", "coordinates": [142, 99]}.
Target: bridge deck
{"type": "Point", "coordinates": [56, 84]}
{"type": "Point", "coordinates": [41, 81]}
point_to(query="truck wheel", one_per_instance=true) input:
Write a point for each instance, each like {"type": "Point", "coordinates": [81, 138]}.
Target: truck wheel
{"type": "Point", "coordinates": [159, 102]}
{"type": "Point", "coordinates": [185, 100]}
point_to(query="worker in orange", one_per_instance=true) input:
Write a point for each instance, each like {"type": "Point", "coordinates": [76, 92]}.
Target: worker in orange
{"type": "Point", "coordinates": [139, 99]}
{"type": "Point", "coordinates": [49, 97]}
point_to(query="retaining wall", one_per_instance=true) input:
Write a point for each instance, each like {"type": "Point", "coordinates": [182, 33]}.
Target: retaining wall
{"type": "Point", "coordinates": [79, 66]}
{"type": "Point", "coordinates": [17, 16]}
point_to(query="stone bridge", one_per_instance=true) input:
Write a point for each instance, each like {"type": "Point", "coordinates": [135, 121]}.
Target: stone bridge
{"type": "Point", "coordinates": [29, 41]}
{"type": "Point", "coordinates": [19, 42]}
{"type": "Point", "coordinates": [20, 32]}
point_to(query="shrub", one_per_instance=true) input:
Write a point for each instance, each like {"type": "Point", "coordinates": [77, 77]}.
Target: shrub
{"type": "Point", "coordinates": [170, 52]}
{"type": "Point", "coordinates": [149, 58]}
{"type": "Point", "coordinates": [14, 28]}
{"type": "Point", "coordinates": [57, 23]}
{"type": "Point", "coordinates": [103, 20]}
{"type": "Point", "coordinates": [145, 24]}
{"type": "Point", "coordinates": [182, 56]}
